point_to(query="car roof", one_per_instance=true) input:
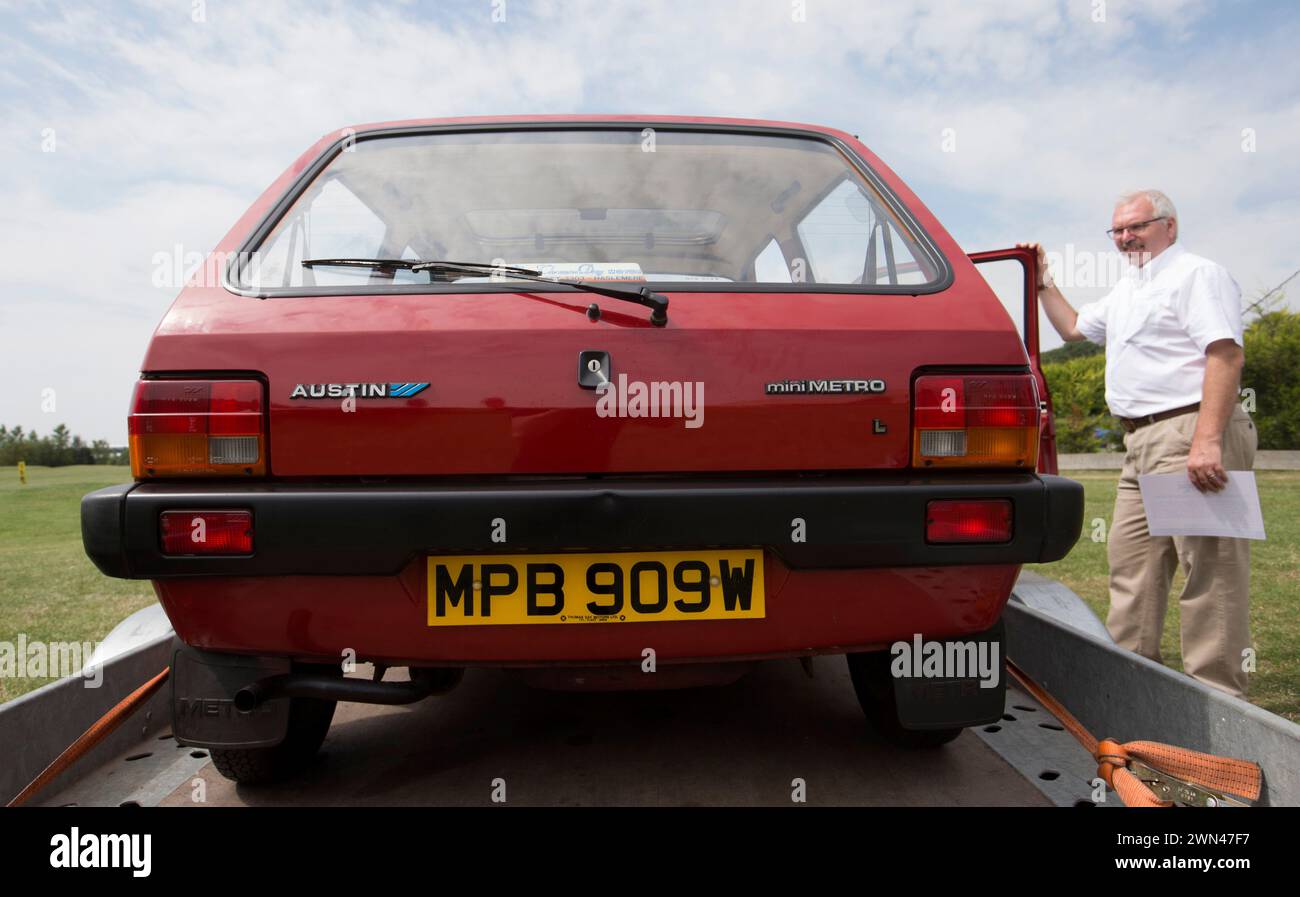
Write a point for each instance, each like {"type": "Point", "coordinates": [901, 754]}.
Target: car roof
{"type": "Point", "coordinates": [597, 119]}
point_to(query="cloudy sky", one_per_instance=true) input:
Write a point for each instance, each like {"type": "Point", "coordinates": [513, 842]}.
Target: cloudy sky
{"type": "Point", "coordinates": [132, 129]}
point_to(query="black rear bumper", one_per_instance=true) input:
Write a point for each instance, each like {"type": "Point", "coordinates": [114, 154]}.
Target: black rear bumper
{"type": "Point", "coordinates": [357, 529]}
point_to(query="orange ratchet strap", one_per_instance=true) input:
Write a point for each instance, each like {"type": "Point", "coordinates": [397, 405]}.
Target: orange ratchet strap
{"type": "Point", "coordinates": [1136, 769]}
{"type": "Point", "coordinates": [102, 728]}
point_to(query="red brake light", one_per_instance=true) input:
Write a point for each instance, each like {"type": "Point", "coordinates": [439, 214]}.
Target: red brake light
{"type": "Point", "coordinates": [1001, 402]}
{"type": "Point", "coordinates": [206, 532]}
{"type": "Point", "coordinates": [940, 402]}
{"type": "Point", "coordinates": [983, 520]}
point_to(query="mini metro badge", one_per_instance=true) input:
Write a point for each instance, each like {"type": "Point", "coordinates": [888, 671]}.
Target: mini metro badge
{"type": "Point", "coordinates": [357, 390]}
{"type": "Point", "coordinates": [829, 387]}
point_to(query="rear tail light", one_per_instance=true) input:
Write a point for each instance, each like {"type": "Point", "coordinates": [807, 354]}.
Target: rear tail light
{"type": "Point", "coordinates": [206, 532]}
{"type": "Point", "coordinates": [982, 520]}
{"type": "Point", "coordinates": [969, 420]}
{"type": "Point", "coordinates": [187, 428]}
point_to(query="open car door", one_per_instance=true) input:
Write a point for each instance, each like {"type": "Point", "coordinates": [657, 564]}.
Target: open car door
{"type": "Point", "coordinates": [1013, 275]}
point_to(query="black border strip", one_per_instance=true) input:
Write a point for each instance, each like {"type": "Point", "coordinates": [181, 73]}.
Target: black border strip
{"type": "Point", "coordinates": [376, 530]}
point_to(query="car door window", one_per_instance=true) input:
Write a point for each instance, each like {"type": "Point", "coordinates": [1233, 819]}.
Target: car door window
{"type": "Point", "coordinates": [849, 238]}
{"type": "Point", "coordinates": [335, 224]}
{"type": "Point", "coordinates": [770, 265]}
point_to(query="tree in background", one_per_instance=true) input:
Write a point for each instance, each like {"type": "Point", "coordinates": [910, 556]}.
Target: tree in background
{"type": "Point", "coordinates": [1081, 349]}
{"type": "Point", "coordinates": [1270, 381]}
{"type": "Point", "coordinates": [1083, 422]}
{"type": "Point", "coordinates": [58, 449]}
{"type": "Point", "coordinates": [1272, 378]}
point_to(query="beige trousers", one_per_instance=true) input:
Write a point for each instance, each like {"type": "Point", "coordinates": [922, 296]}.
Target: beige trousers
{"type": "Point", "coordinates": [1215, 602]}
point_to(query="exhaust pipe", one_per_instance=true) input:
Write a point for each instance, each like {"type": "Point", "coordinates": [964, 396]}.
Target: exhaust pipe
{"type": "Point", "coordinates": [424, 682]}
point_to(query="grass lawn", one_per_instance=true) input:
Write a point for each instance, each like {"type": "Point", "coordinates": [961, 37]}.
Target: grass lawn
{"type": "Point", "coordinates": [49, 589]}
{"type": "Point", "coordinates": [1274, 583]}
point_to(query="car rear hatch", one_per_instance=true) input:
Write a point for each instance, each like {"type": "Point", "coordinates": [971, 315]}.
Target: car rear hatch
{"type": "Point", "coordinates": [735, 382]}
{"type": "Point", "coordinates": [804, 299]}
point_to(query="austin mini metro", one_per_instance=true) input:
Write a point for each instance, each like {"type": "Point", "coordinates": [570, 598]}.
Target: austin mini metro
{"type": "Point", "coordinates": [612, 403]}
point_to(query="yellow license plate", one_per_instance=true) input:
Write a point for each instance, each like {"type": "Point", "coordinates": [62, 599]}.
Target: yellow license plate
{"type": "Point", "coordinates": [622, 587]}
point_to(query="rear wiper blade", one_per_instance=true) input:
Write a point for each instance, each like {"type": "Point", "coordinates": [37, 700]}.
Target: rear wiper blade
{"type": "Point", "coordinates": [656, 302]}
{"type": "Point", "coordinates": [405, 264]}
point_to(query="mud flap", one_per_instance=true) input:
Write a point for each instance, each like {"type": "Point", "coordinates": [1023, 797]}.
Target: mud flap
{"type": "Point", "coordinates": [203, 705]}
{"type": "Point", "coordinates": [948, 701]}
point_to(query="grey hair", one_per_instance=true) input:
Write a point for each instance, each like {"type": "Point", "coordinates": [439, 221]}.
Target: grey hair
{"type": "Point", "coordinates": [1162, 205]}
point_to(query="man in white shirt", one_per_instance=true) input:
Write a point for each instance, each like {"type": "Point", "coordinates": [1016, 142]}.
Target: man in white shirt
{"type": "Point", "coordinates": [1172, 330]}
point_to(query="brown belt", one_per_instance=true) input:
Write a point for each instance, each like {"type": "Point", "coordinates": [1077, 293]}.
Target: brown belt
{"type": "Point", "coordinates": [1135, 423]}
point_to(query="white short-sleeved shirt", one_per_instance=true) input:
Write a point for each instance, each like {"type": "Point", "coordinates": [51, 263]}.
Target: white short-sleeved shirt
{"type": "Point", "coordinates": [1156, 325]}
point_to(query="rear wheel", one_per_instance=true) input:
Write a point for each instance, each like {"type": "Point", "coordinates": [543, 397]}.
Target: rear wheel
{"type": "Point", "coordinates": [875, 690]}
{"type": "Point", "coordinates": [309, 722]}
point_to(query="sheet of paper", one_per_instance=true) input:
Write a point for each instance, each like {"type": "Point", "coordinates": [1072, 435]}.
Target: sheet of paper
{"type": "Point", "coordinates": [1177, 508]}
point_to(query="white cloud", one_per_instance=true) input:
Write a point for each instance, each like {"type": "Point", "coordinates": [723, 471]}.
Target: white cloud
{"type": "Point", "coordinates": [167, 128]}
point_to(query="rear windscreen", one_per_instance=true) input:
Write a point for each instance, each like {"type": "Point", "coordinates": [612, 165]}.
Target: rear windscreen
{"type": "Point", "coordinates": [694, 207]}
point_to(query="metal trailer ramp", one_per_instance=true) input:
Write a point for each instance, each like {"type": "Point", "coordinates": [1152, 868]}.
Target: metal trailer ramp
{"type": "Point", "coordinates": [739, 745]}
{"type": "Point", "coordinates": [1118, 694]}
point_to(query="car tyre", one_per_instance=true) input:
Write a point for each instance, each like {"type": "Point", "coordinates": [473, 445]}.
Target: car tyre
{"type": "Point", "coordinates": [309, 722]}
{"type": "Point", "coordinates": [875, 690]}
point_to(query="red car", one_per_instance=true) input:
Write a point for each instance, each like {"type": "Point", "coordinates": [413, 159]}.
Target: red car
{"type": "Point", "coordinates": [619, 402]}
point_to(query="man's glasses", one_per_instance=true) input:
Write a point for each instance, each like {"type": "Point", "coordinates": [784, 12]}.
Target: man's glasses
{"type": "Point", "coordinates": [1134, 228]}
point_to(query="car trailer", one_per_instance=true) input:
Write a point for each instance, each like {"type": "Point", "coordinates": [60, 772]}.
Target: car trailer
{"type": "Point", "coordinates": [787, 732]}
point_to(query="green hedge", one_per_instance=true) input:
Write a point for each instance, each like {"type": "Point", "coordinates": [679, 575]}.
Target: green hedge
{"type": "Point", "coordinates": [1270, 385]}
{"type": "Point", "coordinates": [1083, 423]}
{"type": "Point", "coordinates": [1273, 373]}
